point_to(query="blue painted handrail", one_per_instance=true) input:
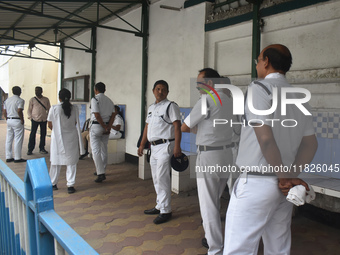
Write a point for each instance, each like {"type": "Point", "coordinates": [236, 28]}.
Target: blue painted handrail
{"type": "Point", "coordinates": [44, 225]}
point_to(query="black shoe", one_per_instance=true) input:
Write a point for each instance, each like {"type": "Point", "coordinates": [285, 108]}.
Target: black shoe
{"type": "Point", "coordinates": [205, 243]}
{"type": "Point", "coordinates": [43, 151]}
{"type": "Point", "coordinates": [100, 178]}
{"type": "Point", "coordinates": [71, 190]}
{"type": "Point", "coordinates": [9, 160]}
{"type": "Point", "coordinates": [152, 211]}
{"type": "Point", "coordinates": [95, 173]}
{"type": "Point", "coordinates": [162, 217]}
{"type": "Point", "coordinates": [29, 152]}
{"type": "Point", "coordinates": [19, 160]}
{"type": "Point", "coordinates": [54, 187]}
{"type": "Point", "coordinates": [84, 155]}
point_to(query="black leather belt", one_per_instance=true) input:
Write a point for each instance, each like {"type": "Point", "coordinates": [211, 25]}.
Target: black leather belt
{"type": "Point", "coordinates": [96, 122]}
{"type": "Point", "coordinates": [13, 118]}
{"type": "Point", "coordinates": [160, 141]}
{"type": "Point", "coordinates": [214, 148]}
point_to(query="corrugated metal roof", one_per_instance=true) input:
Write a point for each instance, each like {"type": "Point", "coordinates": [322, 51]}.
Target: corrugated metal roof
{"type": "Point", "coordinates": [50, 22]}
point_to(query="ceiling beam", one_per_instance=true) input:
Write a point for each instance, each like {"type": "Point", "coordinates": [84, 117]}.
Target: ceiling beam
{"type": "Point", "coordinates": [85, 1]}
{"type": "Point", "coordinates": [87, 5]}
{"type": "Point", "coordinates": [115, 14]}
{"type": "Point", "coordinates": [72, 20]}
{"type": "Point", "coordinates": [30, 57]}
{"type": "Point", "coordinates": [18, 21]}
{"type": "Point", "coordinates": [34, 13]}
{"type": "Point", "coordinates": [48, 27]}
{"type": "Point", "coordinates": [110, 16]}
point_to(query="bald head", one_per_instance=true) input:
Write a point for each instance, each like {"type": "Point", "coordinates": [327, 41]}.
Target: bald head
{"type": "Point", "coordinates": [281, 48]}
{"type": "Point", "coordinates": [278, 56]}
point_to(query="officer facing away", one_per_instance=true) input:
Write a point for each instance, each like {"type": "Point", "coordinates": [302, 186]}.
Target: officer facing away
{"type": "Point", "coordinates": [102, 116]}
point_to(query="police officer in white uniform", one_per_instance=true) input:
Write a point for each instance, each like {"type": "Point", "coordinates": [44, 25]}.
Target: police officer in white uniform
{"type": "Point", "coordinates": [13, 112]}
{"type": "Point", "coordinates": [214, 150]}
{"type": "Point", "coordinates": [163, 130]}
{"type": "Point", "coordinates": [117, 126]}
{"type": "Point", "coordinates": [258, 206]}
{"type": "Point", "coordinates": [102, 116]}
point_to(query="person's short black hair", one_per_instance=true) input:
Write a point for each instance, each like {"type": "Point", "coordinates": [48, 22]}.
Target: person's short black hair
{"type": "Point", "coordinates": [16, 90]}
{"type": "Point", "coordinates": [209, 73]}
{"type": "Point", "coordinates": [161, 82]}
{"type": "Point", "coordinates": [281, 61]}
{"type": "Point", "coordinates": [117, 108]}
{"type": "Point", "coordinates": [100, 87]}
{"type": "Point", "coordinates": [40, 88]}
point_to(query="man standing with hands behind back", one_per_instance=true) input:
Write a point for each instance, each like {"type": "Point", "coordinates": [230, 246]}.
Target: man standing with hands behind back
{"type": "Point", "coordinates": [163, 130]}
{"type": "Point", "coordinates": [258, 207]}
{"type": "Point", "coordinates": [102, 116]}
{"type": "Point", "coordinates": [37, 112]}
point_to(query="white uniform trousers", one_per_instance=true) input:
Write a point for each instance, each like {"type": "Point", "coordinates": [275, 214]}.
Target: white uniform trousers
{"type": "Point", "coordinates": [257, 208]}
{"type": "Point", "coordinates": [99, 147]}
{"type": "Point", "coordinates": [71, 171]}
{"type": "Point", "coordinates": [15, 131]}
{"type": "Point", "coordinates": [116, 136]}
{"type": "Point", "coordinates": [160, 169]}
{"type": "Point", "coordinates": [210, 187]}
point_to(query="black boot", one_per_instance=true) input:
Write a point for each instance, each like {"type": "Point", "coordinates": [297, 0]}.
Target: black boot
{"type": "Point", "coordinates": [100, 178]}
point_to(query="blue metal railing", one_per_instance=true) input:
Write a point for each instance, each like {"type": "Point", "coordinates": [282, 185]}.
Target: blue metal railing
{"type": "Point", "coordinates": [28, 222]}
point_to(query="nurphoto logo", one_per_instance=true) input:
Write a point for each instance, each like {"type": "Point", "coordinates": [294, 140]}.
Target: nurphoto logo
{"type": "Point", "coordinates": [239, 103]}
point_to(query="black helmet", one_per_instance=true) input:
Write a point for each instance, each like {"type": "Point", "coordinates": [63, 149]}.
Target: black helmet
{"type": "Point", "coordinates": [180, 163]}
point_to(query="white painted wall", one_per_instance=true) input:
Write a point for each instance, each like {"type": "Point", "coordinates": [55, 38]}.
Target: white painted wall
{"type": "Point", "coordinates": [312, 34]}
{"type": "Point", "coordinates": [228, 50]}
{"type": "Point", "coordinates": [119, 66]}
{"type": "Point", "coordinates": [4, 75]}
{"type": "Point", "coordinates": [78, 62]}
{"type": "Point", "coordinates": [176, 50]}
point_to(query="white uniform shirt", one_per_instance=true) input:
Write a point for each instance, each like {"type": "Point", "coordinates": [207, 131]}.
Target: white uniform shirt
{"type": "Point", "coordinates": [12, 104]}
{"type": "Point", "coordinates": [207, 134]}
{"type": "Point", "coordinates": [157, 119]}
{"type": "Point", "coordinates": [103, 105]}
{"type": "Point", "coordinates": [117, 121]}
{"type": "Point", "coordinates": [287, 138]}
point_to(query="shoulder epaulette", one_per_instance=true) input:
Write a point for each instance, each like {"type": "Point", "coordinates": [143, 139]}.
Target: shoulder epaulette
{"type": "Point", "coordinates": [263, 86]}
{"type": "Point", "coordinates": [245, 97]}
{"type": "Point", "coordinates": [167, 109]}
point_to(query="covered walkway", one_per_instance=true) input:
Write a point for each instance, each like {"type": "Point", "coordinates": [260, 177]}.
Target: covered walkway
{"type": "Point", "coordinates": [109, 216]}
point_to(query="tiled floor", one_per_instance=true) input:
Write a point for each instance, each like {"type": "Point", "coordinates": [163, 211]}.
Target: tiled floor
{"type": "Point", "coordinates": [109, 216]}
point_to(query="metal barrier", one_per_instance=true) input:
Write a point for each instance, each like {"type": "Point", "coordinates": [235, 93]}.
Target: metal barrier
{"type": "Point", "coordinates": [28, 222]}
